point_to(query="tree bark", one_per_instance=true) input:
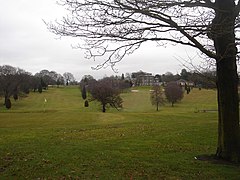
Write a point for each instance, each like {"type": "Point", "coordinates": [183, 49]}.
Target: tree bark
{"type": "Point", "coordinates": [104, 108]}
{"type": "Point", "coordinates": [227, 81]}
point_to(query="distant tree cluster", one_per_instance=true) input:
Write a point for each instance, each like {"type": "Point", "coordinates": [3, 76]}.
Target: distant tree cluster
{"type": "Point", "coordinates": [203, 79]}
{"type": "Point", "coordinates": [15, 82]}
{"type": "Point", "coordinates": [69, 78]}
{"type": "Point", "coordinates": [54, 78]}
{"type": "Point", "coordinates": [49, 78]}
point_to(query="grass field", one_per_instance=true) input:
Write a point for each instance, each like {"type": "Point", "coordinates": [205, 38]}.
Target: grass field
{"type": "Point", "coordinates": [61, 139]}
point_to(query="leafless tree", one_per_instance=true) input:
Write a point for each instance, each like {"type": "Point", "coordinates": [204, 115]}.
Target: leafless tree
{"type": "Point", "coordinates": [157, 98]}
{"type": "Point", "coordinates": [50, 77]}
{"type": "Point", "coordinates": [68, 77]}
{"type": "Point", "coordinates": [114, 28]}
{"type": "Point", "coordinates": [106, 93]}
{"type": "Point", "coordinates": [12, 81]}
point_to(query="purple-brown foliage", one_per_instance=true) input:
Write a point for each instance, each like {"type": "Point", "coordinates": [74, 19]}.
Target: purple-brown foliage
{"type": "Point", "coordinates": [173, 92]}
{"type": "Point", "coordinates": [106, 93]}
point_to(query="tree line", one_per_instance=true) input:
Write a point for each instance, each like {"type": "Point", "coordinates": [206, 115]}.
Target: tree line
{"type": "Point", "coordinates": [204, 78]}
{"type": "Point", "coordinates": [15, 82]}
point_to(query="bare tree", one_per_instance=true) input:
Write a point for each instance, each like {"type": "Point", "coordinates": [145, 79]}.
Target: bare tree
{"type": "Point", "coordinates": [12, 81]}
{"type": "Point", "coordinates": [50, 77]}
{"type": "Point", "coordinates": [68, 77]}
{"type": "Point", "coordinates": [114, 28]}
{"type": "Point", "coordinates": [157, 98]}
{"type": "Point", "coordinates": [106, 93]}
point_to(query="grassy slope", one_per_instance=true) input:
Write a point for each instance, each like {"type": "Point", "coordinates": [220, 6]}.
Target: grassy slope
{"type": "Point", "coordinates": [68, 140]}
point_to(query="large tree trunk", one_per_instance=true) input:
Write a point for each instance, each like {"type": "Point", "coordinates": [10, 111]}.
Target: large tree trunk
{"type": "Point", "coordinates": [228, 137]}
{"type": "Point", "coordinates": [104, 108]}
{"type": "Point", "coordinates": [227, 82]}
{"type": "Point", "coordinates": [6, 96]}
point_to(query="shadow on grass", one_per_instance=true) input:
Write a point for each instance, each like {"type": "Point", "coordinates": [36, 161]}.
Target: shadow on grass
{"type": "Point", "coordinates": [215, 160]}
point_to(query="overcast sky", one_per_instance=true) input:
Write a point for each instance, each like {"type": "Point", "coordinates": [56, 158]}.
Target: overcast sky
{"type": "Point", "coordinates": [26, 43]}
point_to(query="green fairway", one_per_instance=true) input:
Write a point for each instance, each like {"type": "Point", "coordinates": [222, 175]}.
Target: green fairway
{"type": "Point", "coordinates": [60, 139]}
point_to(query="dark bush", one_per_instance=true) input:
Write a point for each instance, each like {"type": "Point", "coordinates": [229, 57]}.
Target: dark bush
{"type": "Point", "coordinates": [40, 88]}
{"type": "Point", "coordinates": [26, 90]}
{"type": "Point", "coordinates": [86, 104]}
{"type": "Point", "coordinates": [84, 92]}
{"type": "Point", "coordinates": [15, 96]}
{"type": "Point", "coordinates": [8, 103]}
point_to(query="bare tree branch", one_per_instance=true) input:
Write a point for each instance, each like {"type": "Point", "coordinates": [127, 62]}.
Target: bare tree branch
{"type": "Point", "coordinates": [132, 23]}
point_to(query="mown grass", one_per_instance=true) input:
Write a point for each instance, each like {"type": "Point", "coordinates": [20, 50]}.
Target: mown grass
{"type": "Point", "coordinates": [66, 140]}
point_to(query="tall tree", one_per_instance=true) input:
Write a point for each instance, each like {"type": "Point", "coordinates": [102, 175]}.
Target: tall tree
{"type": "Point", "coordinates": [122, 77]}
{"type": "Point", "coordinates": [84, 92]}
{"type": "Point", "coordinates": [157, 98]}
{"type": "Point", "coordinates": [84, 95]}
{"type": "Point", "coordinates": [208, 25]}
